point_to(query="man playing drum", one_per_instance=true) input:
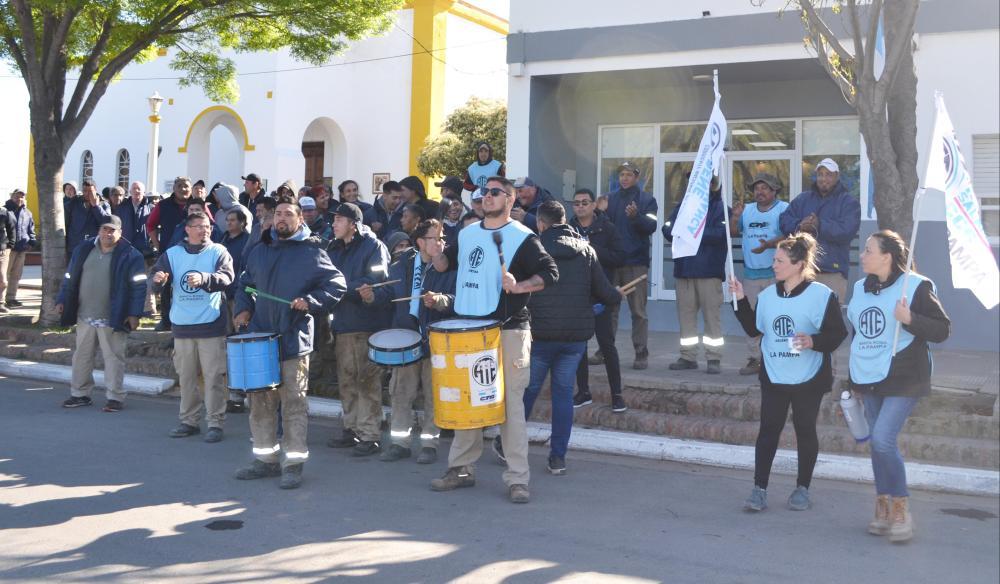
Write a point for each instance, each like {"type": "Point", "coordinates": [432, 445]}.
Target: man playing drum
{"type": "Point", "coordinates": [489, 286]}
{"type": "Point", "coordinates": [291, 265]}
{"type": "Point", "coordinates": [432, 297]}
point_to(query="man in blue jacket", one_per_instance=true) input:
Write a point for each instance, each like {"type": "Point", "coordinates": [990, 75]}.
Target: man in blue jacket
{"type": "Point", "coordinates": [833, 216]}
{"type": "Point", "coordinates": [364, 260]}
{"type": "Point", "coordinates": [699, 287]}
{"type": "Point", "coordinates": [633, 212]}
{"type": "Point", "coordinates": [102, 295]}
{"type": "Point", "coordinates": [18, 231]}
{"type": "Point", "coordinates": [134, 212]}
{"type": "Point", "coordinates": [83, 215]}
{"type": "Point", "coordinates": [290, 265]}
{"type": "Point", "coordinates": [530, 197]}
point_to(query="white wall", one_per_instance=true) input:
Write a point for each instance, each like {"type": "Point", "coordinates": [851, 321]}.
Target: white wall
{"type": "Point", "coordinates": [476, 64]}
{"type": "Point", "coordinates": [14, 138]}
{"type": "Point", "coordinates": [539, 15]}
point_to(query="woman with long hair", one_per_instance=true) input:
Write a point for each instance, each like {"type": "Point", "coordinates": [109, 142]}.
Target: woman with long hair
{"type": "Point", "coordinates": [800, 325]}
{"type": "Point", "coordinates": [891, 379]}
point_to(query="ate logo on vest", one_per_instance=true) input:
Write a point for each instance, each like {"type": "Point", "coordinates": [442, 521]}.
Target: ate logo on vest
{"type": "Point", "coordinates": [184, 282]}
{"type": "Point", "coordinates": [871, 322]}
{"type": "Point", "coordinates": [484, 371]}
{"type": "Point", "coordinates": [476, 257]}
{"type": "Point", "coordinates": [783, 326]}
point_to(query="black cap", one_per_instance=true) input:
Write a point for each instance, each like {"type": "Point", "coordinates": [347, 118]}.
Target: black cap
{"type": "Point", "coordinates": [114, 221]}
{"type": "Point", "coordinates": [252, 177]}
{"type": "Point", "coordinates": [198, 183]}
{"type": "Point", "coordinates": [451, 182]}
{"type": "Point", "coordinates": [630, 167]}
{"type": "Point", "coordinates": [351, 211]}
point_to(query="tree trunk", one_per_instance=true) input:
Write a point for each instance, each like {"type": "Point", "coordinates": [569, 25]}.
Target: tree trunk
{"type": "Point", "coordinates": [902, 106]}
{"type": "Point", "coordinates": [49, 161]}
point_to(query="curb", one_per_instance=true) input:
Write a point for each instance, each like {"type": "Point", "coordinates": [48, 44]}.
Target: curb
{"type": "Point", "coordinates": [930, 477]}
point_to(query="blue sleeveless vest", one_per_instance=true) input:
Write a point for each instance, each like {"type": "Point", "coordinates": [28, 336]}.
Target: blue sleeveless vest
{"type": "Point", "coordinates": [478, 174]}
{"type": "Point", "coordinates": [755, 226]}
{"type": "Point", "coordinates": [477, 290]}
{"type": "Point", "coordinates": [193, 305]}
{"type": "Point", "coordinates": [417, 286]}
{"type": "Point", "coordinates": [779, 319]}
{"type": "Point", "coordinates": [872, 316]}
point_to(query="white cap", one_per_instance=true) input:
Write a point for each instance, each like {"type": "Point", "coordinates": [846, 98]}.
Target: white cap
{"type": "Point", "coordinates": [307, 203]}
{"type": "Point", "coordinates": [829, 164]}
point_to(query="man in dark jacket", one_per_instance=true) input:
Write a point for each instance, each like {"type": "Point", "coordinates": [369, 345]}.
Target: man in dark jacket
{"type": "Point", "coordinates": [364, 260]}
{"type": "Point", "coordinates": [436, 298]}
{"type": "Point", "coordinates": [603, 237]}
{"type": "Point", "coordinates": [160, 226]}
{"type": "Point", "coordinates": [699, 287]}
{"type": "Point", "coordinates": [414, 193]}
{"type": "Point", "coordinates": [315, 288]}
{"type": "Point", "coordinates": [23, 240]}
{"type": "Point", "coordinates": [562, 320]}
{"type": "Point", "coordinates": [8, 236]}
{"type": "Point", "coordinates": [83, 215]}
{"type": "Point", "coordinates": [102, 295]}
{"type": "Point", "coordinates": [134, 212]}
{"type": "Point", "coordinates": [530, 197]}
{"type": "Point", "coordinates": [253, 193]}
{"type": "Point", "coordinates": [384, 215]}
{"type": "Point", "coordinates": [633, 212]}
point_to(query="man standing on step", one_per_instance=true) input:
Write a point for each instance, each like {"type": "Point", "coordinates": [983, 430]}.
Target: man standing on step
{"type": "Point", "coordinates": [160, 226]}
{"type": "Point", "coordinates": [102, 294]}
{"type": "Point", "coordinates": [199, 272]}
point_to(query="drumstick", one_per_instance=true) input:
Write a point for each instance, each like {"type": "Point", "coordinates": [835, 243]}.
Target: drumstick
{"type": "Point", "coordinates": [253, 290]}
{"type": "Point", "coordinates": [407, 298]}
{"type": "Point", "coordinates": [498, 240]}
{"type": "Point", "coordinates": [382, 284]}
{"type": "Point", "coordinates": [632, 284]}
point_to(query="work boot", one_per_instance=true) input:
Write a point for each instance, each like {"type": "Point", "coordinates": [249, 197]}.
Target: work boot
{"type": "Point", "coordinates": [394, 452]}
{"type": "Point", "coordinates": [427, 455]}
{"type": "Point", "coordinates": [901, 527]}
{"type": "Point", "coordinates": [113, 405]}
{"type": "Point", "coordinates": [457, 477]}
{"type": "Point", "coordinates": [714, 367]}
{"type": "Point", "coordinates": [596, 359]}
{"type": "Point", "coordinates": [258, 470]}
{"type": "Point", "coordinates": [291, 477]}
{"type": "Point", "coordinates": [184, 430]}
{"type": "Point", "coordinates": [641, 360]}
{"type": "Point", "coordinates": [757, 501]}
{"type": "Point", "coordinates": [347, 440]}
{"type": "Point", "coordinates": [880, 525]}
{"type": "Point", "coordinates": [519, 494]}
{"type": "Point", "coordinates": [681, 364]}
{"type": "Point", "coordinates": [365, 448]}
{"type": "Point", "coordinates": [77, 402]}
{"type": "Point", "coordinates": [213, 435]}
{"type": "Point", "coordinates": [751, 368]}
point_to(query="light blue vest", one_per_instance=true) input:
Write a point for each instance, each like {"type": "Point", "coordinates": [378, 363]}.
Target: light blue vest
{"type": "Point", "coordinates": [417, 287]}
{"type": "Point", "coordinates": [480, 278]}
{"type": "Point", "coordinates": [755, 226]}
{"type": "Point", "coordinates": [872, 316]}
{"type": "Point", "coordinates": [479, 174]}
{"type": "Point", "coordinates": [193, 305]}
{"type": "Point", "coordinates": [779, 319]}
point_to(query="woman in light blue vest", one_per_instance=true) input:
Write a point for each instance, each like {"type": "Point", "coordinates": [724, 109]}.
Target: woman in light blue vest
{"type": "Point", "coordinates": [800, 325]}
{"type": "Point", "coordinates": [892, 381]}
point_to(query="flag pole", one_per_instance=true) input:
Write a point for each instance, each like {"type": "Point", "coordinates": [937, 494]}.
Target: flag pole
{"type": "Point", "coordinates": [725, 208]}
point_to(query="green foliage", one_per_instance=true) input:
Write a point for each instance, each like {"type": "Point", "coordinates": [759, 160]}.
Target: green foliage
{"type": "Point", "coordinates": [452, 151]}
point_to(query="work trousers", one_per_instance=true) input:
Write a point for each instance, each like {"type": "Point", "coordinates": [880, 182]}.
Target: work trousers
{"type": "Point", "coordinates": [360, 383]}
{"type": "Point", "coordinates": [774, 406]}
{"type": "Point", "coordinates": [404, 386]}
{"type": "Point", "coordinates": [149, 305]}
{"type": "Point", "coordinates": [636, 306]}
{"type": "Point", "coordinates": [290, 398]}
{"type": "Point", "coordinates": [752, 289]}
{"type": "Point", "coordinates": [112, 344]}
{"type": "Point", "coordinates": [704, 295]}
{"type": "Point", "coordinates": [204, 358]}
{"type": "Point", "coordinates": [10, 274]}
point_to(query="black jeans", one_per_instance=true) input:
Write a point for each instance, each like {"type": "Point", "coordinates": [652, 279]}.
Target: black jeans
{"type": "Point", "coordinates": [606, 343]}
{"type": "Point", "coordinates": [773, 414]}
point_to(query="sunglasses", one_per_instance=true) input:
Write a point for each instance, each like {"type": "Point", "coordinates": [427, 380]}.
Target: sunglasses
{"type": "Point", "coordinates": [494, 192]}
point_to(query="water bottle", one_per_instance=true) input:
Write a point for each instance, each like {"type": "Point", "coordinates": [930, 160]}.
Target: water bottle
{"type": "Point", "coordinates": [854, 413]}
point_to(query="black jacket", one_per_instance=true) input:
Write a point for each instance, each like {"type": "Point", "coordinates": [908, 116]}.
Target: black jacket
{"type": "Point", "coordinates": [563, 312]}
{"type": "Point", "coordinates": [603, 236]}
{"type": "Point", "coordinates": [134, 224]}
{"type": "Point", "coordinates": [364, 260]}
{"type": "Point", "coordinates": [8, 235]}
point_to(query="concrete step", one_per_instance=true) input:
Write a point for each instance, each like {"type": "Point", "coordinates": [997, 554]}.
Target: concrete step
{"type": "Point", "coordinates": [152, 366]}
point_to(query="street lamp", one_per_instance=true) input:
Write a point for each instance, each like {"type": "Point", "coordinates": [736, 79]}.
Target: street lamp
{"type": "Point", "coordinates": [155, 101]}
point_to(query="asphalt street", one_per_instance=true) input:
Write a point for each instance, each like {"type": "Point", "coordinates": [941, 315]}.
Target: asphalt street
{"type": "Point", "coordinates": [92, 496]}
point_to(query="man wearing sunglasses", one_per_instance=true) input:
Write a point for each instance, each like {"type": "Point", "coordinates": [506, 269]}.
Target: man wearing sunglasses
{"type": "Point", "coordinates": [490, 288]}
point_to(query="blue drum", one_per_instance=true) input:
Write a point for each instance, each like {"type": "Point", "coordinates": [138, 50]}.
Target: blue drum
{"type": "Point", "coordinates": [395, 347]}
{"type": "Point", "coordinates": [254, 361]}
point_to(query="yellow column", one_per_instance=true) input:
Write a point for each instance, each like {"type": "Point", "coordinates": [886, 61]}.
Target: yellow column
{"type": "Point", "coordinates": [430, 32]}
{"type": "Point", "coordinates": [31, 189]}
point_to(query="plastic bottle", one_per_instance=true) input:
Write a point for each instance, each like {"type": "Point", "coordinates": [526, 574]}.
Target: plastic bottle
{"type": "Point", "coordinates": [854, 414]}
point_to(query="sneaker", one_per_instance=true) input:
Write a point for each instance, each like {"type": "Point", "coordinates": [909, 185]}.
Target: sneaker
{"type": "Point", "coordinates": [641, 361]}
{"type": "Point", "coordinates": [751, 368]}
{"type": "Point", "coordinates": [76, 402]}
{"type": "Point", "coordinates": [213, 435]}
{"type": "Point", "coordinates": [291, 477]}
{"type": "Point", "coordinates": [596, 359]}
{"type": "Point", "coordinates": [557, 465]}
{"type": "Point", "coordinates": [393, 453]}
{"type": "Point", "coordinates": [519, 494]}
{"type": "Point", "coordinates": [682, 364]}
{"type": "Point", "coordinates": [347, 440]}
{"type": "Point", "coordinates": [258, 470]}
{"type": "Point", "coordinates": [365, 448]}
{"type": "Point", "coordinates": [427, 455]}
{"type": "Point", "coordinates": [498, 449]}
{"type": "Point", "coordinates": [113, 405]}
{"type": "Point", "coordinates": [184, 430]}
{"type": "Point", "coordinates": [714, 367]}
{"type": "Point", "coordinates": [14, 303]}
{"type": "Point", "coordinates": [757, 501]}
{"type": "Point", "coordinates": [618, 404]}
{"type": "Point", "coordinates": [582, 399]}
{"type": "Point", "coordinates": [799, 499]}
{"type": "Point", "coordinates": [457, 477]}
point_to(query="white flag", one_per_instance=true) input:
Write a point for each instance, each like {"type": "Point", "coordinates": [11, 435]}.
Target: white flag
{"type": "Point", "coordinates": [972, 263]}
{"type": "Point", "coordinates": [690, 224]}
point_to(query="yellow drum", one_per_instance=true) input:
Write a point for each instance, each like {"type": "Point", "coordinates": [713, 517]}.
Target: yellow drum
{"type": "Point", "coordinates": [467, 373]}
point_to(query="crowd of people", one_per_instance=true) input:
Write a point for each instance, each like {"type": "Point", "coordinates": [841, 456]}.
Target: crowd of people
{"type": "Point", "coordinates": [325, 273]}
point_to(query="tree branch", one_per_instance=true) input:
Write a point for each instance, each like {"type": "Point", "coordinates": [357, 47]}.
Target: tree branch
{"type": "Point", "coordinates": [846, 87]}
{"type": "Point", "coordinates": [872, 37]}
{"type": "Point", "coordinates": [89, 67]}
{"type": "Point", "coordinates": [818, 23]}
{"type": "Point", "coordinates": [894, 52]}
{"type": "Point", "coordinates": [55, 46]}
{"type": "Point", "coordinates": [859, 50]}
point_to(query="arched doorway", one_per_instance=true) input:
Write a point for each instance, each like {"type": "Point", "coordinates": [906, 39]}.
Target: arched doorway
{"type": "Point", "coordinates": [324, 149]}
{"type": "Point", "coordinates": [215, 145]}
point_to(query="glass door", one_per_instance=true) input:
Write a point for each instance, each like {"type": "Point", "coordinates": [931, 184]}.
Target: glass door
{"type": "Point", "coordinates": [741, 169]}
{"type": "Point", "coordinates": [670, 187]}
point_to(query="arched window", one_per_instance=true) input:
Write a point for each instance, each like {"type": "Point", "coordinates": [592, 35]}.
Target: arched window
{"type": "Point", "coordinates": [122, 168]}
{"type": "Point", "coordinates": [86, 166]}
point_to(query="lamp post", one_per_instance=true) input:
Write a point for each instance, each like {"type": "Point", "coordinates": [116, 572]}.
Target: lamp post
{"type": "Point", "coordinates": [155, 101]}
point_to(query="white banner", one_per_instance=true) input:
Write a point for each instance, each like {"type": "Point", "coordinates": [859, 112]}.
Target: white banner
{"type": "Point", "coordinates": [690, 223]}
{"type": "Point", "coordinates": [972, 263]}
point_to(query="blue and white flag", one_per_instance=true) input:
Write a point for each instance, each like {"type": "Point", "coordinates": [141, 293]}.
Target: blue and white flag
{"type": "Point", "coordinates": [972, 263]}
{"type": "Point", "coordinates": [690, 223]}
{"type": "Point", "coordinates": [878, 61]}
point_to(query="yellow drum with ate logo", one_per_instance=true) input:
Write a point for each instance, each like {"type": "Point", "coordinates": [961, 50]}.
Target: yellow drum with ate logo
{"type": "Point", "coordinates": [467, 373]}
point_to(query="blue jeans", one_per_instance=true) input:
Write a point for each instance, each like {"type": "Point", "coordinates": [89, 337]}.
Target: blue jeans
{"type": "Point", "coordinates": [886, 416]}
{"type": "Point", "coordinates": [561, 359]}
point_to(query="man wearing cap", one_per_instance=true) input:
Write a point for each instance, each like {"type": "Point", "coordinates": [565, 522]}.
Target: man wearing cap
{"type": "Point", "coordinates": [633, 212]}
{"type": "Point", "coordinates": [415, 194]}
{"type": "Point", "coordinates": [18, 230]}
{"type": "Point", "coordinates": [833, 216]}
{"type": "Point", "coordinates": [476, 208]}
{"type": "Point", "coordinates": [252, 193]}
{"type": "Point", "coordinates": [102, 294]}
{"type": "Point", "coordinates": [364, 260]}
{"type": "Point", "coordinates": [482, 168]}
{"type": "Point", "coordinates": [83, 215]}
{"type": "Point", "coordinates": [530, 197]}
{"type": "Point", "coordinates": [164, 219]}
{"type": "Point", "coordinates": [451, 187]}
{"type": "Point", "coordinates": [757, 224]}
{"type": "Point", "coordinates": [384, 214]}
{"type": "Point", "coordinates": [317, 224]}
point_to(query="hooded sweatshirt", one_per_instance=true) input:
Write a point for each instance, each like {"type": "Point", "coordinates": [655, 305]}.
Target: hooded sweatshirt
{"type": "Point", "coordinates": [477, 173]}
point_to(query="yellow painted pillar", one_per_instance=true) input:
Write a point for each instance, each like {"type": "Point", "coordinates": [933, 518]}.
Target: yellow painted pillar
{"type": "Point", "coordinates": [430, 33]}
{"type": "Point", "coordinates": [31, 189]}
